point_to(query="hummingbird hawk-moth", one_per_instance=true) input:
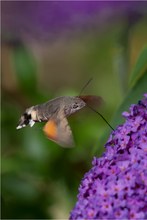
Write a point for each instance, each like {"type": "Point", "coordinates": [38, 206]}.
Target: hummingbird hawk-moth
{"type": "Point", "coordinates": [55, 113]}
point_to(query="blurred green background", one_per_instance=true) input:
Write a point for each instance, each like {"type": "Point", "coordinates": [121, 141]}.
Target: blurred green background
{"type": "Point", "coordinates": [39, 178]}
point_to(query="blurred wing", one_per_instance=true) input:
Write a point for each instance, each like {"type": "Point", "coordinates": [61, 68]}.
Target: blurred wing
{"type": "Point", "coordinates": [58, 130]}
{"type": "Point", "coordinates": [92, 100]}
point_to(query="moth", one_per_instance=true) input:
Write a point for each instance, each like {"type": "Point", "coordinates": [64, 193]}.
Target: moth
{"type": "Point", "coordinates": [55, 113]}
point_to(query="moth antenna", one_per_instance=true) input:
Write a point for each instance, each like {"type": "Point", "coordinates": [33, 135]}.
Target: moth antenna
{"type": "Point", "coordinates": [85, 85]}
{"type": "Point", "coordinates": [101, 117]}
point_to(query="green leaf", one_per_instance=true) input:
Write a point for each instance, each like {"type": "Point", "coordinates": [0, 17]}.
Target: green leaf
{"type": "Point", "coordinates": [26, 69]}
{"type": "Point", "coordinates": [140, 67]}
{"type": "Point", "coordinates": [134, 95]}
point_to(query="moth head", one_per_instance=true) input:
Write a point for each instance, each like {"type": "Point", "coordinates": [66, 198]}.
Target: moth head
{"type": "Point", "coordinates": [73, 105]}
{"type": "Point", "coordinates": [27, 118]}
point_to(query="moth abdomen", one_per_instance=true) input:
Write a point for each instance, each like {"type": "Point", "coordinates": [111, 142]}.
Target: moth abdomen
{"type": "Point", "coordinates": [44, 112]}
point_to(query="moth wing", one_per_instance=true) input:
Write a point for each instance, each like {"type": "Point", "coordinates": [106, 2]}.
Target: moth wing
{"type": "Point", "coordinates": [92, 100]}
{"type": "Point", "coordinates": [58, 130]}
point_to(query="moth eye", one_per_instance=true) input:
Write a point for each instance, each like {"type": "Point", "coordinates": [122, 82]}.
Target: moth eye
{"type": "Point", "coordinates": [75, 105]}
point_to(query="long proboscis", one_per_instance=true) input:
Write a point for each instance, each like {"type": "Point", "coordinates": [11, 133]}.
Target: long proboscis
{"type": "Point", "coordinates": [101, 116]}
{"type": "Point", "coordinates": [94, 100]}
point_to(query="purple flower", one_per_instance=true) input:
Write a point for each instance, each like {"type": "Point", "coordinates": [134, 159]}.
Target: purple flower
{"type": "Point", "coordinates": [44, 18]}
{"type": "Point", "coordinates": [116, 186]}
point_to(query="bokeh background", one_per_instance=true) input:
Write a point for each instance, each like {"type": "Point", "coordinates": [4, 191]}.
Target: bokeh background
{"type": "Point", "coordinates": [50, 49]}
